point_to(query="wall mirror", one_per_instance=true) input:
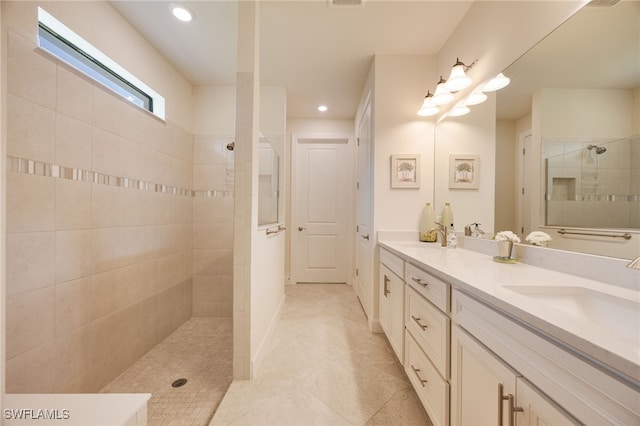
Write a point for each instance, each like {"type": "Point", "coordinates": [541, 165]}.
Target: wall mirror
{"type": "Point", "coordinates": [578, 91]}
{"type": "Point", "coordinates": [268, 183]}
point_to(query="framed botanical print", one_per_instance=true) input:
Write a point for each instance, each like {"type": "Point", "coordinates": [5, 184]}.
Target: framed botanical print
{"type": "Point", "coordinates": [464, 171]}
{"type": "Point", "coordinates": [405, 171]}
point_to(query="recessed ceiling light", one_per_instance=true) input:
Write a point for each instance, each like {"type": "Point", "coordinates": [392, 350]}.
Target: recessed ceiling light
{"type": "Point", "coordinates": [181, 12]}
{"type": "Point", "coordinates": [322, 108]}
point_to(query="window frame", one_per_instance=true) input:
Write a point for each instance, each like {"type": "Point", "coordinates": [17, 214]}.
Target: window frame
{"type": "Point", "coordinates": [58, 40]}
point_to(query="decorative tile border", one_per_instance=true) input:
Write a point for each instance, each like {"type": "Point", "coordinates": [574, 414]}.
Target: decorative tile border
{"type": "Point", "coordinates": [39, 168]}
{"type": "Point", "coordinates": [599, 197]}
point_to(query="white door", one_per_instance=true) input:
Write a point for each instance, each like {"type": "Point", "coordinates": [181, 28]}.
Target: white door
{"type": "Point", "coordinates": [321, 183]}
{"type": "Point", "coordinates": [363, 281]}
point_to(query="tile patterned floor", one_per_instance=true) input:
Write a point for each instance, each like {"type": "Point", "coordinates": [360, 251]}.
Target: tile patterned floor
{"type": "Point", "coordinates": [201, 351]}
{"type": "Point", "coordinates": [324, 367]}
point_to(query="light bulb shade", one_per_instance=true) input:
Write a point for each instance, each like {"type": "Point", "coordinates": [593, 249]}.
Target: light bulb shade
{"type": "Point", "coordinates": [496, 83]}
{"type": "Point", "coordinates": [458, 80]}
{"type": "Point", "coordinates": [442, 95]}
{"type": "Point", "coordinates": [428, 108]}
{"type": "Point", "coordinates": [458, 111]}
{"type": "Point", "coordinates": [476, 98]}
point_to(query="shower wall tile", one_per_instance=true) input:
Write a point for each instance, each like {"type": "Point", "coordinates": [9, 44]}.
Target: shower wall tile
{"type": "Point", "coordinates": [30, 75]}
{"type": "Point", "coordinates": [71, 307]}
{"type": "Point", "coordinates": [33, 313]}
{"type": "Point", "coordinates": [31, 130]}
{"type": "Point", "coordinates": [74, 95]}
{"type": "Point", "coordinates": [73, 142]}
{"type": "Point", "coordinates": [73, 254]}
{"type": "Point", "coordinates": [33, 371]}
{"type": "Point", "coordinates": [212, 262]}
{"type": "Point", "coordinates": [24, 250]}
{"type": "Point", "coordinates": [30, 203]}
{"type": "Point", "coordinates": [70, 356]}
{"type": "Point", "coordinates": [213, 235]}
{"type": "Point", "coordinates": [106, 152]}
{"type": "Point", "coordinates": [108, 110]}
{"type": "Point", "coordinates": [73, 204]}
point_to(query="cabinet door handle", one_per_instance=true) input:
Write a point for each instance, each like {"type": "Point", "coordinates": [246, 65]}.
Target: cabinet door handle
{"type": "Point", "coordinates": [386, 286]}
{"type": "Point", "coordinates": [417, 320]}
{"type": "Point", "coordinates": [501, 398]}
{"type": "Point", "coordinates": [419, 281]}
{"type": "Point", "coordinates": [512, 408]}
{"type": "Point", "coordinates": [416, 371]}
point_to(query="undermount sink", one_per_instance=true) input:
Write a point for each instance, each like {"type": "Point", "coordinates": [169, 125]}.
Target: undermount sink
{"type": "Point", "coordinates": [618, 315]}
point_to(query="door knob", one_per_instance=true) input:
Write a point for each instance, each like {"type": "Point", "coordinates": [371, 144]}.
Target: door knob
{"type": "Point", "coordinates": [300, 228]}
{"type": "Point", "coordinates": [366, 237]}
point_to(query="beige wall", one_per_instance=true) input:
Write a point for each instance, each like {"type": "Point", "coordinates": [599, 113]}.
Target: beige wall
{"type": "Point", "coordinates": [98, 271]}
{"type": "Point", "coordinates": [401, 81]}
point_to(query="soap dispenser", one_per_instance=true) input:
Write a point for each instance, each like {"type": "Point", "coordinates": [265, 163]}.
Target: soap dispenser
{"type": "Point", "coordinates": [447, 216]}
{"type": "Point", "coordinates": [428, 223]}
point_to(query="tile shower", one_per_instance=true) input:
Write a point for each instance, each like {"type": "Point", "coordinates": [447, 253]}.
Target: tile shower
{"type": "Point", "coordinates": [119, 228]}
{"type": "Point", "coordinates": [599, 176]}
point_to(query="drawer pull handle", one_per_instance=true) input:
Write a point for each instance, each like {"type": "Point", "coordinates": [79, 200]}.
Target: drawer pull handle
{"type": "Point", "coordinates": [417, 320]}
{"type": "Point", "coordinates": [419, 281]}
{"type": "Point", "coordinates": [386, 286]}
{"type": "Point", "coordinates": [416, 371]}
{"type": "Point", "coordinates": [512, 408]}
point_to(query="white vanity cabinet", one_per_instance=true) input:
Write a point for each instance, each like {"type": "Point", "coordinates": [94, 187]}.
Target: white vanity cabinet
{"type": "Point", "coordinates": [486, 391]}
{"type": "Point", "coordinates": [391, 297]}
{"type": "Point", "coordinates": [428, 339]}
{"type": "Point", "coordinates": [500, 362]}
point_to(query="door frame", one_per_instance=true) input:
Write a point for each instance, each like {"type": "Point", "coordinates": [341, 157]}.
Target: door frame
{"type": "Point", "coordinates": [523, 190]}
{"type": "Point", "coordinates": [321, 138]}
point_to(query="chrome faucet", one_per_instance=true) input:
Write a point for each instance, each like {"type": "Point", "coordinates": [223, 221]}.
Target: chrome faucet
{"type": "Point", "coordinates": [442, 230]}
{"type": "Point", "coordinates": [634, 264]}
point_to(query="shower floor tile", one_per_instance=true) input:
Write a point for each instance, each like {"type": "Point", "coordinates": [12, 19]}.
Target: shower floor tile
{"type": "Point", "coordinates": [324, 367]}
{"type": "Point", "coordinates": [201, 351]}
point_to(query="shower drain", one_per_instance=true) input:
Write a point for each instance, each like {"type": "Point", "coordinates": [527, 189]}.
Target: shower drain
{"type": "Point", "coordinates": [178, 383]}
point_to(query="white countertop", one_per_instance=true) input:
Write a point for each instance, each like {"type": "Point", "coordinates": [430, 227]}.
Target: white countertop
{"type": "Point", "coordinates": [595, 318]}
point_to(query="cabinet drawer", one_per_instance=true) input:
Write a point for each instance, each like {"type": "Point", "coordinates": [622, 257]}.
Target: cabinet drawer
{"type": "Point", "coordinates": [431, 329]}
{"type": "Point", "coordinates": [393, 262]}
{"type": "Point", "coordinates": [432, 389]}
{"type": "Point", "coordinates": [433, 289]}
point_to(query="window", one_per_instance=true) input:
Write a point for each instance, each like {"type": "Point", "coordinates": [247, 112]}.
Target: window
{"type": "Point", "coordinates": [57, 39]}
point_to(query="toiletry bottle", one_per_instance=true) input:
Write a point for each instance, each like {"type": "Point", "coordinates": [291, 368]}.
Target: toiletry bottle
{"type": "Point", "coordinates": [427, 223]}
{"type": "Point", "coordinates": [447, 216]}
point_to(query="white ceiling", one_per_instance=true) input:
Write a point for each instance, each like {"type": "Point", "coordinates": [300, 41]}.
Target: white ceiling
{"type": "Point", "coordinates": [598, 48]}
{"type": "Point", "coordinates": [320, 53]}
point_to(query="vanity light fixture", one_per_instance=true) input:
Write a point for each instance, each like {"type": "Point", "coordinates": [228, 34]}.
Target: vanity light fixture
{"type": "Point", "coordinates": [323, 108]}
{"type": "Point", "coordinates": [459, 110]}
{"type": "Point", "coordinates": [442, 95]}
{"type": "Point", "coordinates": [428, 107]}
{"type": "Point", "coordinates": [496, 83]}
{"type": "Point", "coordinates": [458, 79]}
{"type": "Point", "coordinates": [181, 12]}
{"type": "Point", "coordinates": [476, 98]}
